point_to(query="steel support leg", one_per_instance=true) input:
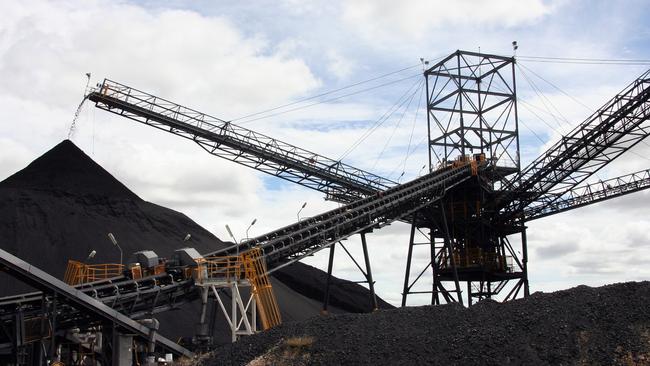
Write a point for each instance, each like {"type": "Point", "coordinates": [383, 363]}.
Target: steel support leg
{"type": "Point", "coordinates": [53, 330]}
{"type": "Point", "coordinates": [233, 309]}
{"type": "Point", "coordinates": [330, 264]}
{"type": "Point", "coordinates": [435, 299]}
{"type": "Point", "coordinates": [524, 259]}
{"type": "Point", "coordinates": [450, 252]}
{"type": "Point", "coordinates": [409, 257]}
{"type": "Point", "coordinates": [371, 283]}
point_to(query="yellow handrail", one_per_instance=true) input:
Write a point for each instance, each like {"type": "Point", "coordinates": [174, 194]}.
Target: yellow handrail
{"type": "Point", "coordinates": [77, 272]}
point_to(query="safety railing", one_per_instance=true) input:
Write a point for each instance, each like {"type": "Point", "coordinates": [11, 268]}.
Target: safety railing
{"type": "Point", "coordinates": [477, 258]}
{"type": "Point", "coordinates": [223, 268]}
{"type": "Point", "coordinates": [78, 272]}
{"type": "Point", "coordinates": [250, 266]}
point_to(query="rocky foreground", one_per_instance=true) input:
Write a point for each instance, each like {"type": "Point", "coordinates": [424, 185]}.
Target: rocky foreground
{"type": "Point", "coordinates": [607, 325]}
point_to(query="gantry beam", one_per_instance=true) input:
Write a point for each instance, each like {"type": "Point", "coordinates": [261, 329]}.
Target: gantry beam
{"type": "Point", "coordinates": [339, 181]}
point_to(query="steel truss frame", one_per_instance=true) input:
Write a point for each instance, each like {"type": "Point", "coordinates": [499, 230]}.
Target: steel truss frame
{"type": "Point", "coordinates": [616, 127]}
{"type": "Point", "coordinates": [292, 243]}
{"type": "Point", "coordinates": [441, 247]}
{"type": "Point", "coordinates": [242, 317]}
{"type": "Point", "coordinates": [591, 193]}
{"type": "Point", "coordinates": [138, 299]}
{"type": "Point", "coordinates": [367, 273]}
{"type": "Point", "coordinates": [60, 294]}
{"type": "Point", "coordinates": [471, 109]}
{"type": "Point", "coordinates": [339, 181]}
{"type": "Point", "coordinates": [471, 105]}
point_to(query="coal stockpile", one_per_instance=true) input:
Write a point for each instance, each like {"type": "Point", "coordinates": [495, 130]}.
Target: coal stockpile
{"type": "Point", "coordinates": [345, 295]}
{"type": "Point", "coordinates": [63, 205]}
{"type": "Point", "coordinates": [607, 325]}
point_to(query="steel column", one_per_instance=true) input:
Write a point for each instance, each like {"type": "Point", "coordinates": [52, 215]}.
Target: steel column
{"type": "Point", "coordinates": [409, 257]}
{"type": "Point", "coordinates": [330, 264]}
{"type": "Point", "coordinates": [371, 283]}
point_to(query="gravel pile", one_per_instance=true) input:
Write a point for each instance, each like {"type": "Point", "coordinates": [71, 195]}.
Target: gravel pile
{"type": "Point", "coordinates": [607, 325]}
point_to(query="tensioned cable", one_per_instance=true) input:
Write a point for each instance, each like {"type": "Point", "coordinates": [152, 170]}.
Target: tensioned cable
{"type": "Point", "coordinates": [556, 87]}
{"type": "Point", "coordinates": [396, 106]}
{"type": "Point", "coordinates": [408, 149]}
{"type": "Point", "coordinates": [574, 99]}
{"type": "Point", "coordinates": [591, 63]}
{"type": "Point", "coordinates": [247, 120]}
{"type": "Point", "coordinates": [536, 107]}
{"type": "Point", "coordinates": [325, 93]}
{"type": "Point", "coordinates": [329, 100]}
{"type": "Point", "coordinates": [544, 99]}
{"type": "Point", "coordinates": [532, 131]}
{"type": "Point", "coordinates": [390, 138]}
{"type": "Point", "coordinates": [586, 61]}
{"type": "Point", "coordinates": [416, 148]}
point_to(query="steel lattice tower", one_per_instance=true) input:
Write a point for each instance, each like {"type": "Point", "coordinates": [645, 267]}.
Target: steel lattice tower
{"type": "Point", "coordinates": [471, 114]}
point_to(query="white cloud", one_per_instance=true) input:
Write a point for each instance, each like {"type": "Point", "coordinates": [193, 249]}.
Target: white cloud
{"type": "Point", "coordinates": [48, 47]}
{"type": "Point", "coordinates": [391, 20]}
{"type": "Point", "coordinates": [339, 65]}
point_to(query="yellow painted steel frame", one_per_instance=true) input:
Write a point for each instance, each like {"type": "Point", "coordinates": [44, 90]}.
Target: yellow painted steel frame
{"type": "Point", "coordinates": [251, 266]}
{"type": "Point", "coordinates": [77, 272]}
{"type": "Point", "coordinates": [255, 267]}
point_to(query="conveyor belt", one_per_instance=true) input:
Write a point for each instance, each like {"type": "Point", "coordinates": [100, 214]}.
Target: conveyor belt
{"type": "Point", "coordinates": [291, 243]}
{"type": "Point", "coordinates": [616, 127]}
{"type": "Point", "coordinates": [77, 299]}
{"type": "Point", "coordinates": [339, 181]}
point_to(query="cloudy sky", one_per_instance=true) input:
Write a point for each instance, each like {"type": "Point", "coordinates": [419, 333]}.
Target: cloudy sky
{"type": "Point", "coordinates": [232, 59]}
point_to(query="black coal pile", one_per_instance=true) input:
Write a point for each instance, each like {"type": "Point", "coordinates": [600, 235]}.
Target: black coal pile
{"type": "Point", "coordinates": [63, 205]}
{"type": "Point", "coordinates": [344, 294]}
{"type": "Point", "coordinates": [608, 325]}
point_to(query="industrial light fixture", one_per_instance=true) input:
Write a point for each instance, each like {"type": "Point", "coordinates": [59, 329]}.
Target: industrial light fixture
{"type": "Point", "coordinates": [187, 237]}
{"type": "Point", "coordinates": [114, 241]}
{"type": "Point", "coordinates": [230, 233]}
{"type": "Point", "coordinates": [233, 237]}
{"type": "Point", "coordinates": [91, 255]}
{"type": "Point", "coordinates": [249, 227]}
{"type": "Point", "coordinates": [298, 214]}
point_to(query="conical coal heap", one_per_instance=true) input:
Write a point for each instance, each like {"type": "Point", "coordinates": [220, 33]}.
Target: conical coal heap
{"type": "Point", "coordinates": [63, 205]}
{"type": "Point", "coordinates": [67, 169]}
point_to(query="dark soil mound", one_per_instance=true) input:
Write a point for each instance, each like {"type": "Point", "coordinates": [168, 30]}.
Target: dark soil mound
{"type": "Point", "coordinates": [63, 205]}
{"type": "Point", "coordinates": [608, 325]}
